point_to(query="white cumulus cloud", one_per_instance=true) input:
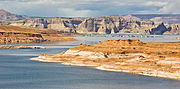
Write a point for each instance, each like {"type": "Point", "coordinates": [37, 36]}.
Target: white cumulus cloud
{"type": "Point", "coordinates": [84, 8]}
{"type": "Point", "coordinates": [172, 7]}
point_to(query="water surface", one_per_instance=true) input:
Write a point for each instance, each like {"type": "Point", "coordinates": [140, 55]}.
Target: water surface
{"type": "Point", "coordinates": [18, 72]}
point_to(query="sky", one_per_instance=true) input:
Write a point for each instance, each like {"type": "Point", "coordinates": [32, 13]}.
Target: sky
{"type": "Point", "coordinates": [89, 8]}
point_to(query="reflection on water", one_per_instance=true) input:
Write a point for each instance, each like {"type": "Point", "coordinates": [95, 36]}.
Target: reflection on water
{"type": "Point", "coordinates": [18, 72]}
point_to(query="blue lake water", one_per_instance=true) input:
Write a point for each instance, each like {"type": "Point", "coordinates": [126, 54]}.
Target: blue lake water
{"type": "Point", "coordinates": [18, 72]}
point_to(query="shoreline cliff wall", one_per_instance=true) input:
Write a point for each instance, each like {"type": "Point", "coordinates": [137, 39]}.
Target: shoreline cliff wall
{"type": "Point", "coordinates": [127, 24]}
{"type": "Point", "coordinates": [101, 25]}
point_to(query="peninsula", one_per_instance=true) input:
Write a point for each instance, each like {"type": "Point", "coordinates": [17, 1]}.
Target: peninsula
{"type": "Point", "coordinates": [124, 55]}
{"type": "Point", "coordinates": [25, 35]}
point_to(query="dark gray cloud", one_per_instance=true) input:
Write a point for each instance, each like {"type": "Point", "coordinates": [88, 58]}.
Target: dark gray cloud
{"type": "Point", "coordinates": [87, 7]}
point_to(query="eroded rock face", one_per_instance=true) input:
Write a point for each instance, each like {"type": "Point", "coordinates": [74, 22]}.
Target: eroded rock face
{"type": "Point", "coordinates": [129, 24]}
{"type": "Point", "coordinates": [117, 24]}
{"type": "Point", "coordinates": [156, 31]}
{"type": "Point", "coordinates": [173, 29]}
{"type": "Point", "coordinates": [59, 24]}
{"type": "Point", "coordinates": [106, 25]}
{"type": "Point", "coordinates": [18, 37]}
{"type": "Point", "coordinates": [15, 35]}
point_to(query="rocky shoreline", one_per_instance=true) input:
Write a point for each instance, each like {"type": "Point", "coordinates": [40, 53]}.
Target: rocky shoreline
{"type": "Point", "coordinates": [20, 47]}
{"type": "Point", "coordinates": [177, 37]}
{"type": "Point", "coordinates": [24, 35]}
{"type": "Point", "coordinates": [124, 55]}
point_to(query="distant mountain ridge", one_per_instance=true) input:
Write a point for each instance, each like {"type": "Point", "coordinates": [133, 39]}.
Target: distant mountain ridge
{"type": "Point", "coordinates": [150, 16]}
{"type": "Point", "coordinates": [126, 24]}
{"type": "Point", "coordinates": [165, 18]}
{"type": "Point", "coordinates": [7, 16]}
{"type": "Point", "coordinates": [102, 25]}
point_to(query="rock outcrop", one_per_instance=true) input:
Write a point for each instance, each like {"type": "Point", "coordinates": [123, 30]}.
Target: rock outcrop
{"type": "Point", "coordinates": [106, 25]}
{"type": "Point", "coordinates": [20, 47]}
{"type": "Point", "coordinates": [124, 55]}
{"type": "Point", "coordinates": [173, 29]}
{"type": "Point", "coordinates": [19, 35]}
{"type": "Point", "coordinates": [159, 30]}
{"type": "Point", "coordinates": [129, 24]}
{"type": "Point", "coordinates": [58, 24]}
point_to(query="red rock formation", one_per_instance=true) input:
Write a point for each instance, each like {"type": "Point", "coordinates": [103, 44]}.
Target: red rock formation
{"type": "Point", "coordinates": [14, 34]}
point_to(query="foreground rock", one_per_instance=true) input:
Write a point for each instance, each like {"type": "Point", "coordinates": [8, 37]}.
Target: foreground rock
{"type": "Point", "coordinates": [124, 55]}
{"type": "Point", "coordinates": [20, 47]}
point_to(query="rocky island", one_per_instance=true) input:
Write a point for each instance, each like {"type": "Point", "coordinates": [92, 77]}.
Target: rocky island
{"type": "Point", "coordinates": [124, 55]}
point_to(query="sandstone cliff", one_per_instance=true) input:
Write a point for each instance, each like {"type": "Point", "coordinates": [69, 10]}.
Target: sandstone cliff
{"type": "Point", "coordinates": [129, 24]}
{"type": "Point", "coordinates": [15, 34]}
{"type": "Point", "coordinates": [106, 25]}
{"type": "Point", "coordinates": [59, 24]}
{"type": "Point", "coordinates": [173, 29]}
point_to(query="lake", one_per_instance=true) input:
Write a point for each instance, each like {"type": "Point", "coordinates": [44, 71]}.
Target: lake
{"type": "Point", "coordinates": [17, 71]}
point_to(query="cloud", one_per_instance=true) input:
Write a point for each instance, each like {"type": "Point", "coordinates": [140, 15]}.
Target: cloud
{"type": "Point", "coordinates": [71, 12]}
{"type": "Point", "coordinates": [84, 8]}
{"type": "Point", "coordinates": [172, 7]}
{"type": "Point", "coordinates": [155, 3]}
